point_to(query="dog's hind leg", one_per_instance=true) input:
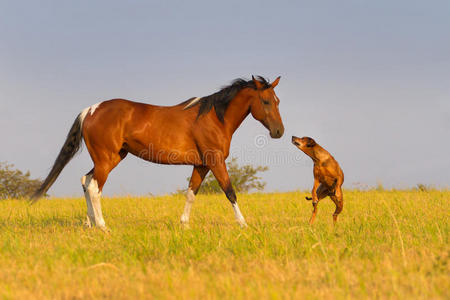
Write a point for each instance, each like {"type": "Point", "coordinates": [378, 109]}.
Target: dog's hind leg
{"type": "Point", "coordinates": [317, 195]}
{"type": "Point", "coordinates": [339, 202]}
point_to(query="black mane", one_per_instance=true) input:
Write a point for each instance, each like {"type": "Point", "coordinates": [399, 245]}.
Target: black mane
{"type": "Point", "coordinates": [221, 99]}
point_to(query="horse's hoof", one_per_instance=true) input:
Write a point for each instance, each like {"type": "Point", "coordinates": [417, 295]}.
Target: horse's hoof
{"type": "Point", "coordinates": [105, 229]}
{"type": "Point", "coordinates": [243, 224]}
{"type": "Point", "coordinates": [87, 223]}
{"type": "Point", "coordinates": [185, 225]}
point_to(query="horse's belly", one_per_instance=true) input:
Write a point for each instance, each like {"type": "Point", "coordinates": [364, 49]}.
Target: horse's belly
{"type": "Point", "coordinates": [175, 158]}
{"type": "Point", "coordinates": [166, 156]}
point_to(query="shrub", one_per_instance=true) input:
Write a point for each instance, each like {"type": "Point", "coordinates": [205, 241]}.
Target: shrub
{"type": "Point", "coordinates": [16, 184]}
{"type": "Point", "coordinates": [423, 187]}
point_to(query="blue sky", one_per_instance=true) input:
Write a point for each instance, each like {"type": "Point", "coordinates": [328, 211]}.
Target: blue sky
{"type": "Point", "coordinates": [370, 81]}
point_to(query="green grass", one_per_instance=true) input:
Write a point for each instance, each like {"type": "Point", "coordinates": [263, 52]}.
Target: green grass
{"type": "Point", "coordinates": [386, 245]}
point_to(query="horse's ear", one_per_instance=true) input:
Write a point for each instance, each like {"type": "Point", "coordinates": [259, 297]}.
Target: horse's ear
{"type": "Point", "coordinates": [275, 82]}
{"type": "Point", "coordinates": [258, 84]}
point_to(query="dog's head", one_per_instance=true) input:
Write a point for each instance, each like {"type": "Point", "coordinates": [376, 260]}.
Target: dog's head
{"type": "Point", "coordinates": [303, 143]}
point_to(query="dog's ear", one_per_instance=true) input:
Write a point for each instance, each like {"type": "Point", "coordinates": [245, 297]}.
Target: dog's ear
{"type": "Point", "coordinates": [310, 143]}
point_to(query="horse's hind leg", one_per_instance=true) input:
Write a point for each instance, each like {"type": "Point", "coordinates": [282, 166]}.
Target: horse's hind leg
{"type": "Point", "coordinates": [198, 174]}
{"type": "Point", "coordinates": [92, 194]}
{"type": "Point", "coordinates": [95, 191]}
{"type": "Point", "coordinates": [85, 180]}
{"type": "Point", "coordinates": [94, 185]}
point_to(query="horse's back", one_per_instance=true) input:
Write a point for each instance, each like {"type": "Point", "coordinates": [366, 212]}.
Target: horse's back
{"type": "Point", "coordinates": [140, 128]}
{"type": "Point", "coordinates": [118, 110]}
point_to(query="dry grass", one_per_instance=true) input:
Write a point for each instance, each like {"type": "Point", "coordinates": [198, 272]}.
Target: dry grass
{"type": "Point", "coordinates": [386, 245]}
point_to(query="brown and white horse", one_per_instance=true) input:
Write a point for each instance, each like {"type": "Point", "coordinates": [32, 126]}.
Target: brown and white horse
{"type": "Point", "coordinates": [196, 132]}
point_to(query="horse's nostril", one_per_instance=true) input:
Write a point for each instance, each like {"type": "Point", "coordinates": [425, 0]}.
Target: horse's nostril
{"type": "Point", "coordinates": [277, 132]}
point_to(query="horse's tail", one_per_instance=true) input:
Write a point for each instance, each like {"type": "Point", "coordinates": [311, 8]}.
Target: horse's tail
{"type": "Point", "coordinates": [308, 198]}
{"type": "Point", "coordinates": [71, 146]}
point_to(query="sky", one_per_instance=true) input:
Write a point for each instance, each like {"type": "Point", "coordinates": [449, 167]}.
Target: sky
{"type": "Point", "coordinates": [368, 80]}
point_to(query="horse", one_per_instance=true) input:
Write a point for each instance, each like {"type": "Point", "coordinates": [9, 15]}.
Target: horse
{"type": "Point", "coordinates": [195, 132]}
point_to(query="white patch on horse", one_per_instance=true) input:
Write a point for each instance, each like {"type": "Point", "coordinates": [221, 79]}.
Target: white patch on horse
{"type": "Point", "coordinates": [92, 194]}
{"type": "Point", "coordinates": [190, 197]}
{"type": "Point", "coordinates": [239, 217]}
{"type": "Point", "coordinates": [90, 109]}
{"type": "Point", "coordinates": [94, 107]}
{"type": "Point", "coordinates": [192, 103]}
{"type": "Point", "coordinates": [82, 115]}
{"type": "Point", "coordinates": [85, 180]}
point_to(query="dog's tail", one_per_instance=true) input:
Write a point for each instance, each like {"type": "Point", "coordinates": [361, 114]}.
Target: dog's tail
{"type": "Point", "coordinates": [67, 152]}
{"type": "Point", "coordinates": [308, 198]}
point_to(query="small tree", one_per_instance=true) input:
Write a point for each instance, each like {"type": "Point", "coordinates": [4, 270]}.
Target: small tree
{"type": "Point", "coordinates": [16, 184]}
{"type": "Point", "coordinates": [423, 187]}
{"type": "Point", "coordinates": [243, 179]}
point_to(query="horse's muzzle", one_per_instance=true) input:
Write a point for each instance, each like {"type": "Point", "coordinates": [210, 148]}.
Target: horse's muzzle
{"type": "Point", "coordinates": [277, 132]}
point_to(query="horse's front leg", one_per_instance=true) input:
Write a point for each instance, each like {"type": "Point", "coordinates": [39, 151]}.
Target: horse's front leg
{"type": "Point", "coordinates": [219, 170]}
{"type": "Point", "coordinates": [198, 174]}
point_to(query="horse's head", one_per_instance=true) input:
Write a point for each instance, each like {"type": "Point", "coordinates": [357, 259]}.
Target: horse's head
{"type": "Point", "coordinates": [264, 107]}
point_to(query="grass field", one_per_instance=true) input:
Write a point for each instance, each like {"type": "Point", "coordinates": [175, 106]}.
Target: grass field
{"type": "Point", "coordinates": [389, 244]}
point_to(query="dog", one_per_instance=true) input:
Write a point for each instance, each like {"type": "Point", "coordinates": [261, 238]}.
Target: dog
{"type": "Point", "coordinates": [328, 175]}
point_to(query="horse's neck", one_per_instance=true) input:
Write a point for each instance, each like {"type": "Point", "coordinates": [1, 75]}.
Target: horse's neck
{"type": "Point", "coordinates": [237, 111]}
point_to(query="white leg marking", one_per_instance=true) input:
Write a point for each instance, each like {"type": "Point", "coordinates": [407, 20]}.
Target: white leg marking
{"type": "Point", "coordinates": [239, 217]}
{"type": "Point", "coordinates": [93, 203]}
{"type": "Point", "coordinates": [190, 197]}
{"type": "Point", "coordinates": [85, 180]}
{"type": "Point", "coordinates": [87, 223]}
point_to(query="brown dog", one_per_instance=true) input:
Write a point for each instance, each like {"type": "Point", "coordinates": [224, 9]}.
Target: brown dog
{"type": "Point", "coordinates": [328, 176]}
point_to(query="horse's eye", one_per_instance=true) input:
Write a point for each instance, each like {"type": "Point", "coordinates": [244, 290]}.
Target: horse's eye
{"type": "Point", "coordinates": [266, 102]}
